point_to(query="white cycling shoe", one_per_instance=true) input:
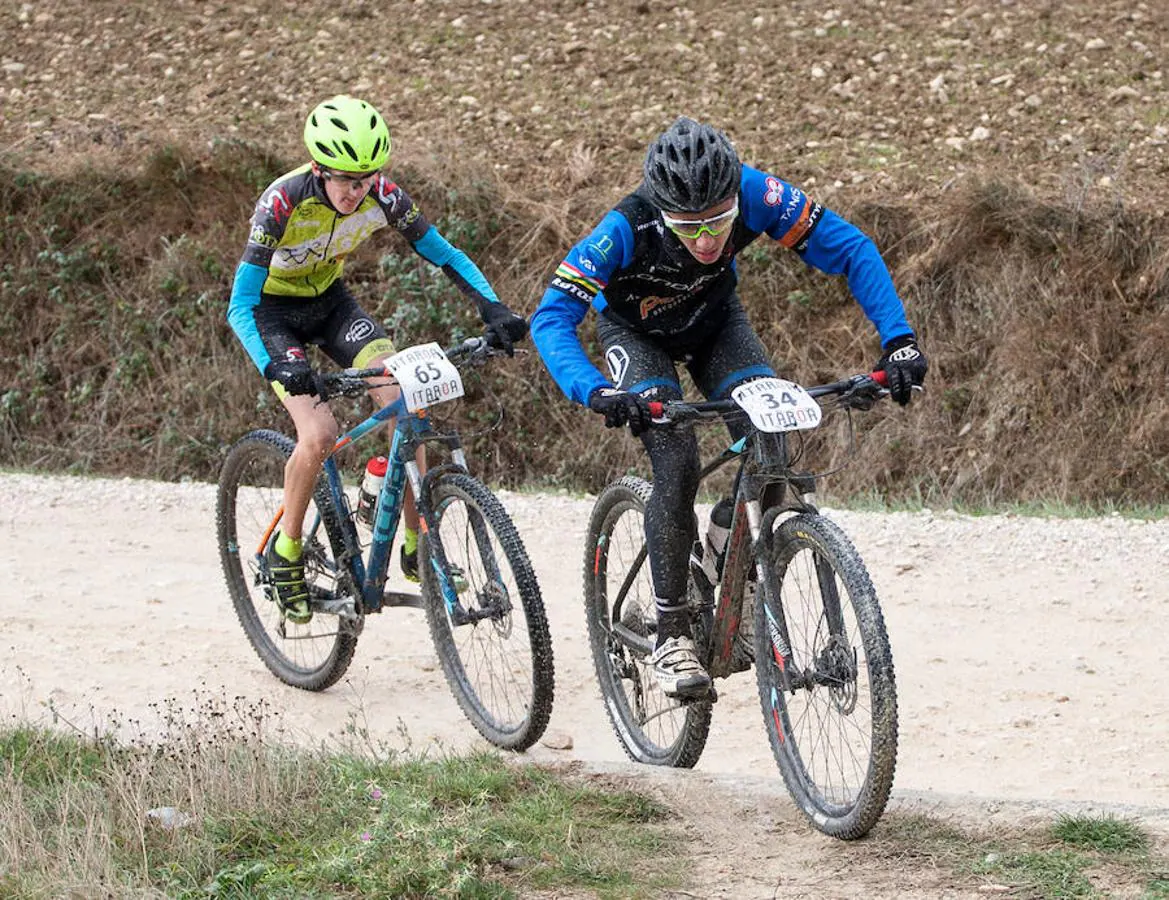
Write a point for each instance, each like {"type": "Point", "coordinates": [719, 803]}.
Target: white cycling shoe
{"type": "Point", "coordinates": [677, 669]}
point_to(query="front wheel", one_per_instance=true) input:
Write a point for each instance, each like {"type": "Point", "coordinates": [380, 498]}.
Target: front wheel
{"type": "Point", "coordinates": [622, 623]}
{"type": "Point", "coordinates": [251, 489]}
{"type": "Point", "coordinates": [825, 675]}
{"type": "Point", "coordinates": [486, 615]}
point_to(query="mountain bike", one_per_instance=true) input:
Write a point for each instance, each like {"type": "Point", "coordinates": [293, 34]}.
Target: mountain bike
{"type": "Point", "coordinates": [479, 592]}
{"type": "Point", "coordinates": [790, 596]}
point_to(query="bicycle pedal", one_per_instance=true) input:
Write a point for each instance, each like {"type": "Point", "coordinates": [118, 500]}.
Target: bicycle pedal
{"type": "Point", "coordinates": [709, 696]}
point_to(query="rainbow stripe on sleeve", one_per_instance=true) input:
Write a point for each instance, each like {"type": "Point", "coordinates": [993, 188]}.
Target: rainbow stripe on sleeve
{"type": "Point", "coordinates": [573, 275]}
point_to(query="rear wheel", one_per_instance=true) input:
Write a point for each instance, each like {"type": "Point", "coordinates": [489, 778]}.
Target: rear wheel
{"type": "Point", "coordinates": [310, 656]}
{"type": "Point", "coordinates": [829, 698]}
{"type": "Point", "coordinates": [486, 615]}
{"type": "Point", "coordinates": [622, 624]}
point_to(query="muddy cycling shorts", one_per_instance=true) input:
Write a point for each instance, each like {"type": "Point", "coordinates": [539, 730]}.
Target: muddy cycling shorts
{"type": "Point", "coordinates": [720, 355]}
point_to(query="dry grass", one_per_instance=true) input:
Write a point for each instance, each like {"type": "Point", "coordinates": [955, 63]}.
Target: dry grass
{"type": "Point", "coordinates": [1043, 321]}
{"type": "Point", "coordinates": [1010, 160]}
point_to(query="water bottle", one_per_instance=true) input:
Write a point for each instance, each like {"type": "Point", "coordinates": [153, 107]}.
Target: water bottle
{"type": "Point", "coordinates": [706, 558]}
{"type": "Point", "coordinates": [371, 486]}
{"type": "Point", "coordinates": [714, 545]}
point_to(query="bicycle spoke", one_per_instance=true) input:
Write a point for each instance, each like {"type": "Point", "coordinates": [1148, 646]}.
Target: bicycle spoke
{"type": "Point", "coordinates": [834, 734]}
{"type": "Point", "coordinates": [491, 633]}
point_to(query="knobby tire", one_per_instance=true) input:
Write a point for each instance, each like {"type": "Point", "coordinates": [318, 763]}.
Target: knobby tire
{"type": "Point", "coordinates": [651, 727]}
{"type": "Point", "coordinates": [250, 491]}
{"type": "Point", "coordinates": [499, 667]}
{"type": "Point", "coordinates": [834, 733]}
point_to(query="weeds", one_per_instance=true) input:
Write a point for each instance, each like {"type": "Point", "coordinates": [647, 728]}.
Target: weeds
{"type": "Point", "coordinates": [1077, 856]}
{"type": "Point", "coordinates": [1042, 318]}
{"type": "Point", "coordinates": [210, 803]}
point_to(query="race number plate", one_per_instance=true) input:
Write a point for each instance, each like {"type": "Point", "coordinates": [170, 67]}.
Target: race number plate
{"type": "Point", "coordinates": [426, 376]}
{"type": "Point", "coordinates": [777, 405]}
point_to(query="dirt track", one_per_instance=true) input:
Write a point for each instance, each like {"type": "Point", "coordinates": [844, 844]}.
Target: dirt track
{"type": "Point", "coordinates": [1023, 648]}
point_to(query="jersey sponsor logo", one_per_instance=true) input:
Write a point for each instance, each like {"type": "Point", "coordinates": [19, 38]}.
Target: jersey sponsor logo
{"type": "Point", "coordinates": [277, 203]}
{"type": "Point", "coordinates": [774, 194]}
{"type": "Point", "coordinates": [261, 237]}
{"type": "Point", "coordinates": [411, 215]}
{"type": "Point", "coordinates": [384, 188]}
{"type": "Point", "coordinates": [291, 257]}
{"type": "Point", "coordinates": [796, 203]}
{"type": "Point", "coordinates": [601, 248]}
{"type": "Point", "coordinates": [359, 330]}
{"type": "Point", "coordinates": [573, 290]}
{"type": "Point", "coordinates": [796, 236]}
{"type": "Point", "coordinates": [617, 358]}
{"type": "Point", "coordinates": [649, 304]}
{"type": "Point", "coordinates": [814, 214]}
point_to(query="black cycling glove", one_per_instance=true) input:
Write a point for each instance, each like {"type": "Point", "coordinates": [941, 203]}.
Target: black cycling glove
{"type": "Point", "coordinates": [296, 378]}
{"type": "Point", "coordinates": [621, 408]}
{"type": "Point", "coordinates": [504, 328]}
{"type": "Point", "coordinates": [904, 365]}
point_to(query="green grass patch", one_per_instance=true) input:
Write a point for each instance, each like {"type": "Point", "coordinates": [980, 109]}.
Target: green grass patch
{"type": "Point", "coordinates": [267, 821]}
{"type": "Point", "coordinates": [1076, 856]}
{"type": "Point", "coordinates": [1050, 873]}
{"type": "Point", "coordinates": [1104, 835]}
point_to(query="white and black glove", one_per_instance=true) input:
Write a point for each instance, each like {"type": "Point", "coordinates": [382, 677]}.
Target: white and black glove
{"type": "Point", "coordinates": [904, 366]}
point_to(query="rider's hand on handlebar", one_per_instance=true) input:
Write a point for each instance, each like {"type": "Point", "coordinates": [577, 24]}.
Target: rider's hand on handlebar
{"type": "Point", "coordinates": [297, 378]}
{"type": "Point", "coordinates": [621, 408]}
{"type": "Point", "coordinates": [504, 328]}
{"type": "Point", "coordinates": [904, 365]}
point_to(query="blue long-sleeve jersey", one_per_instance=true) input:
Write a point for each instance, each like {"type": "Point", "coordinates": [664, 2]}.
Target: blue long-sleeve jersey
{"type": "Point", "coordinates": [632, 269]}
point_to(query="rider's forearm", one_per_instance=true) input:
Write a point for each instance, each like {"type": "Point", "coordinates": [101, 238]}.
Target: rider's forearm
{"type": "Point", "coordinates": [838, 247]}
{"type": "Point", "coordinates": [245, 297]}
{"type": "Point", "coordinates": [456, 265]}
{"type": "Point", "coordinates": [554, 325]}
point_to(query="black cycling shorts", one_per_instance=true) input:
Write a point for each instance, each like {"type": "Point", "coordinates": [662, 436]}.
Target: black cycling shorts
{"type": "Point", "coordinates": [334, 321]}
{"type": "Point", "coordinates": [725, 354]}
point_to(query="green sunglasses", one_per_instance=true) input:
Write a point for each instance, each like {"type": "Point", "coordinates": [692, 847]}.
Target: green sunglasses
{"type": "Point", "coordinates": [692, 229]}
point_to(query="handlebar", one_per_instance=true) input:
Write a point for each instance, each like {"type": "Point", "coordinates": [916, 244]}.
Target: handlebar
{"type": "Point", "coordinates": [353, 383]}
{"type": "Point", "coordinates": [854, 392]}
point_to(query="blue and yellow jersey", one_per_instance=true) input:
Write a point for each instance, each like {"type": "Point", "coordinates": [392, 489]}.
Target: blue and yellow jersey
{"type": "Point", "coordinates": [632, 269]}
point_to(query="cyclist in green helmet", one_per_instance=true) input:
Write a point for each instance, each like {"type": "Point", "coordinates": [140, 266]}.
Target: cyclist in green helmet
{"type": "Point", "coordinates": [288, 293]}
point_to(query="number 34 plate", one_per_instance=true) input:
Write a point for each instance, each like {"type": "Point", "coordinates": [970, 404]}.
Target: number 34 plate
{"type": "Point", "coordinates": [777, 405]}
{"type": "Point", "coordinates": [426, 376]}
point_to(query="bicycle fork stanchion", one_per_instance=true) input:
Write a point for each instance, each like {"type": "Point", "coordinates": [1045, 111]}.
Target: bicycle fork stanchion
{"type": "Point", "coordinates": [429, 523]}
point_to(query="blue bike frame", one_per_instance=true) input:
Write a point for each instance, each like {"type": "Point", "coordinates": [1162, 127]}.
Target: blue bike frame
{"type": "Point", "coordinates": [410, 431]}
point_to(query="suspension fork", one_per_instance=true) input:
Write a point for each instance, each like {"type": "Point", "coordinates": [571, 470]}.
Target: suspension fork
{"type": "Point", "coordinates": [830, 596]}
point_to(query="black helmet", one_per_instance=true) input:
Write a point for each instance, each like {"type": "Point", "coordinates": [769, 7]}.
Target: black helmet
{"type": "Point", "coordinates": [691, 167]}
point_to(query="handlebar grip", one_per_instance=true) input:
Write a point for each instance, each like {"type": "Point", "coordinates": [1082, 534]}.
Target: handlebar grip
{"type": "Point", "coordinates": [880, 377]}
{"type": "Point", "coordinates": [657, 409]}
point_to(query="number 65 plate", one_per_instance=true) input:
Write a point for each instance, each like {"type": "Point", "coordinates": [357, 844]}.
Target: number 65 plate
{"type": "Point", "coordinates": [777, 405]}
{"type": "Point", "coordinates": [426, 376]}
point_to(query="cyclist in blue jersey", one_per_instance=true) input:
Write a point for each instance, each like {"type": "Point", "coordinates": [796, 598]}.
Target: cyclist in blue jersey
{"type": "Point", "coordinates": [660, 271]}
{"type": "Point", "coordinates": [288, 293]}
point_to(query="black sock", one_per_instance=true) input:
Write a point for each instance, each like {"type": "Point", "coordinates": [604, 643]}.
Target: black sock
{"type": "Point", "coordinates": [673, 619]}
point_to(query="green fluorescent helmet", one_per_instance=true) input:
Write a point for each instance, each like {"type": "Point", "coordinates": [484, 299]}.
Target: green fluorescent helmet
{"type": "Point", "coordinates": [347, 134]}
